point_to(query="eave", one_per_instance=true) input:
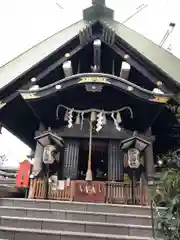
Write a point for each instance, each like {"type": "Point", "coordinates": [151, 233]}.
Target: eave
{"type": "Point", "coordinates": [19, 66]}
{"type": "Point", "coordinates": [156, 58]}
{"type": "Point", "coordinates": [83, 78]}
{"type": "Point", "coordinates": [18, 117]}
{"type": "Point", "coordinates": [144, 104]}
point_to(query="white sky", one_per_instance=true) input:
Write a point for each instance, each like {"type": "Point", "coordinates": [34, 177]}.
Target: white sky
{"type": "Point", "coordinates": [24, 23]}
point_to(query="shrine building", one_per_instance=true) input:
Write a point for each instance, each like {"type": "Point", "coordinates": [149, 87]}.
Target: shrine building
{"type": "Point", "coordinates": [90, 99]}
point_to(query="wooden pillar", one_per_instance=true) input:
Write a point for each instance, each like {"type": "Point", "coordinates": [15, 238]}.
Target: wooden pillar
{"type": "Point", "coordinates": [115, 161]}
{"type": "Point", "coordinates": [71, 157]}
{"type": "Point", "coordinates": [149, 161]}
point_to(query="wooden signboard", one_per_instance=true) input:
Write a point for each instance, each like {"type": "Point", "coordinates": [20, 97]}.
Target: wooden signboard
{"type": "Point", "coordinates": [23, 175]}
{"type": "Point", "coordinates": [89, 192]}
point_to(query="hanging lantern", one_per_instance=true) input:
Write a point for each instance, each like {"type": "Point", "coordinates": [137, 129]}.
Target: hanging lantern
{"type": "Point", "coordinates": [118, 118]}
{"type": "Point", "coordinates": [49, 154]}
{"type": "Point", "coordinates": [78, 119]}
{"type": "Point", "coordinates": [66, 116]}
{"type": "Point", "coordinates": [93, 116]}
{"type": "Point", "coordinates": [133, 158]}
{"type": "Point", "coordinates": [104, 121]}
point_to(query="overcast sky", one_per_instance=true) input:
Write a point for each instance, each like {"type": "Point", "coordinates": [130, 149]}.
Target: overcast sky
{"type": "Point", "coordinates": [24, 23]}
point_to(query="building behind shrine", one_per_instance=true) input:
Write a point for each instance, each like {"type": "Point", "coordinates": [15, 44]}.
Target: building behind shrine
{"type": "Point", "coordinates": [93, 90]}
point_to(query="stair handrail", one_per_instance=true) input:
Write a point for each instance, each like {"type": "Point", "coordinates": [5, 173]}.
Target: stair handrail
{"type": "Point", "coordinates": [152, 219]}
{"type": "Point", "coordinates": [155, 215]}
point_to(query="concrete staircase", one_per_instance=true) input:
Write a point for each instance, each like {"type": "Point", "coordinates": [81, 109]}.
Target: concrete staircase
{"type": "Point", "coordinates": [23, 219]}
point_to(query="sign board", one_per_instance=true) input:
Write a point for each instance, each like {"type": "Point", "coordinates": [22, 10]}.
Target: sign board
{"type": "Point", "coordinates": [23, 175]}
{"type": "Point", "coordinates": [91, 79]}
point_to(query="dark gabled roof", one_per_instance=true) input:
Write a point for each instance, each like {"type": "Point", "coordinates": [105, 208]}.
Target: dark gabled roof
{"type": "Point", "coordinates": [165, 62]}
{"type": "Point", "coordinates": [24, 62]}
{"type": "Point", "coordinates": [14, 114]}
{"type": "Point", "coordinates": [158, 56]}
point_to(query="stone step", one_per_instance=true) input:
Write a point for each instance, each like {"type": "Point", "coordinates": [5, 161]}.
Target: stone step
{"type": "Point", "coordinates": [90, 207]}
{"type": "Point", "coordinates": [76, 215]}
{"type": "Point", "coordinates": [39, 234]}
{"type": "Point", "coordinates": [74, 226]}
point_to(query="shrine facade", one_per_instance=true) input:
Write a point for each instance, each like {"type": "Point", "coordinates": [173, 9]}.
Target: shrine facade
{"type": "Point", "coordinates": [96, 105]}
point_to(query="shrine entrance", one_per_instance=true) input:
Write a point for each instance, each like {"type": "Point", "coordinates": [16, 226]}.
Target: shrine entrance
{"type": "Point", "coordinates": [99, 160]}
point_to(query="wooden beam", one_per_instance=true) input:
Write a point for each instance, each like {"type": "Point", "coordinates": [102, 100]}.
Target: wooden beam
{"type": "Point", "coordinates": [125, 70]}
{"type": "Point", "coordinates": [56, 64]}
{"type": "Point", "coordinates": [67, 68]}
{"type": "Point", "coordinates": [140, 68]}
{"type": "Point", "coordinates": [97, 55]}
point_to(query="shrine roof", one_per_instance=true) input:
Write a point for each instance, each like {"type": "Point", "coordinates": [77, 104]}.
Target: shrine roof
{"type": "Point", "coordinates": [156, 55]}
{"type": "Point", "coordinates": [160, 59]}
{"type": "Point", "coordinates": [15, 74]}
{"type": "Point", "coordinates": [24, 62]}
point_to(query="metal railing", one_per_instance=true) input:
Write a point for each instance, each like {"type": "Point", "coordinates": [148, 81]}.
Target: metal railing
{"type": "Point", "coordinates": [156, 216]}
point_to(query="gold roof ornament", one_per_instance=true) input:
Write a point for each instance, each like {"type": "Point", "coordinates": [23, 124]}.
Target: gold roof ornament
{"type": "Point", "coordinates": [159, 83]}
{"type": "Point", "coordinates": [160, 99]}
{"type": "Point", "coordinates": [67, 55]}
{"type": "Point", "coordinates": [30, 95]}
{"type": "Point", "coordinates": [91, 79]}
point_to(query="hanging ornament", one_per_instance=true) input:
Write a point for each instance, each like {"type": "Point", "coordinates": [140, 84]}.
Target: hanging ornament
{"type": "Point", "coordinates": [115, 122]}
{"type": "Point", "coordinates": [104, 121]}
{"type": "Point", "coordinates": [70, 118]}
{"type": "Point", "coordinates": [66, 116]}
{"type": "Point", "coordinates": [99, 122]}
{"type": "Point", "coordinates": [78, 119]}
{"type": "Point", "coordinates": [93, 116]}
{"type": "Point", "coordinates": [118, 118]}
{"type": "Point", "coordinates": [82, 120]}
